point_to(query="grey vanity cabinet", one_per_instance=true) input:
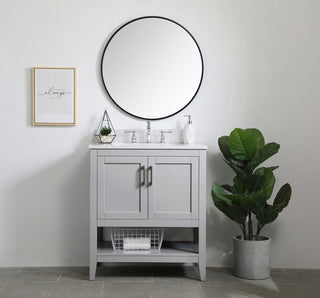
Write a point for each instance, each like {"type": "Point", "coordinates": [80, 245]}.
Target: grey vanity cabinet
{"type": "Point", "coordinates": [152, 186]}
{"type": "Point", "coordinates": [128, 185]}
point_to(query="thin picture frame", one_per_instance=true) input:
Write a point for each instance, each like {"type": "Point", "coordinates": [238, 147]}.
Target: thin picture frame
{"type": "Point", "coordinates": [54, 96]}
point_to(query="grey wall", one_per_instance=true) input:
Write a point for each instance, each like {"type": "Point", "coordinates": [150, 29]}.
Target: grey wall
{"type": "Point", "coordinates": [262, 69]}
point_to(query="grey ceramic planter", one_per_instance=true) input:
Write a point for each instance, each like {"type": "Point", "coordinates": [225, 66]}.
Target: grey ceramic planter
{"type": "Point", "coordinates": [251, 259]}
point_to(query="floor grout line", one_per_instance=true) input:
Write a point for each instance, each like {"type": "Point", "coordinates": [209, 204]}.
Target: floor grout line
{"type": "Point", "coordinates": [60, 276]}
{"type": "Point", "coordinates": [102, 287]}
{"type": "Point", "coordinates": [2, 288]}
{"type": "Point", "coordinates": [301, 291]}
{"type": "Point", "coordinates": [203, 294]}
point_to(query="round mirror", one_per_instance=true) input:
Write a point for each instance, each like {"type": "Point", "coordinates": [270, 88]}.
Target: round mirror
{"type": "Point", "coordinates": [152, 68]}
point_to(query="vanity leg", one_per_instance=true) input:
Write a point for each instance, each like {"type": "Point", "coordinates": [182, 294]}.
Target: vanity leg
{"type": "Point", "coordinates": [202, 255]}
{"type": "Point", "coordinates": [92, 272]}
{"type": "Point", "coordinates": [202, 271]}
{"type": "Point", "coordinates": [93, 253]}
{"type": "Point", "coordinates": [93, 215]}
{"type": "Point", "coordinates": [202, 217]}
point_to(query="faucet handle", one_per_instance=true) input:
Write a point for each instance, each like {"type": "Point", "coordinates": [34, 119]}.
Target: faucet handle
{"type": "Point", "coordinates": [162, 138]}
{"type": "Point", "coordinates": [133, 137]}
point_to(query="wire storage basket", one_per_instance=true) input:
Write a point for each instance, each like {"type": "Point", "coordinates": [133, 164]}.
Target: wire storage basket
{"type": "Point", "coordinates": [136, 239]}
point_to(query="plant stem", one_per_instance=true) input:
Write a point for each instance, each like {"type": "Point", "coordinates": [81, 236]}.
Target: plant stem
{"type": "Point", "coordinates": [250, 227]}
{"type": "Point", "coordinates": [259, 229]}
{"type": "Point", "coordinates": [244, 231]}
{"type": "Point", "coordinates": [241, 227]}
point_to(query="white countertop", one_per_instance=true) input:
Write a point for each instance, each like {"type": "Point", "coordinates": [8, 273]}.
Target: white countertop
{"type": "Point", "coordinates": [144, 146]}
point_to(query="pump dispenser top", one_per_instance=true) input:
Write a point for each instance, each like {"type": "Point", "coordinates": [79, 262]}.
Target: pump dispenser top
{"type": "Point", "coordinates": [189, 118]}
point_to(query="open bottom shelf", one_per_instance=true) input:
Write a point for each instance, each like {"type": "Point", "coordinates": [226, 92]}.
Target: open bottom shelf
{"type": "Point", "coordinates": [171, 252]}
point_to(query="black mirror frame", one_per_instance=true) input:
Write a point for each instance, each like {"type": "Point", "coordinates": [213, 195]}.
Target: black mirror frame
{"type": "Point", "coordinates": [103, 81]}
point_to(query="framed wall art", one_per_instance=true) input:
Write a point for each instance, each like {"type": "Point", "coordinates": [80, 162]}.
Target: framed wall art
{"type": "Point", "coordinates": [54, 96]}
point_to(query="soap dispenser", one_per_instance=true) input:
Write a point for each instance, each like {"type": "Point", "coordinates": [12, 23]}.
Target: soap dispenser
{"type": "Point", "coordinates": [188, 131]}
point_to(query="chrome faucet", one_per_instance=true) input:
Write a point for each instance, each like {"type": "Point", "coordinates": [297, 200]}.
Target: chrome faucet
{"type": "Point", "coordinates": [148, 132]}
{"type": "Point", "coordinates": [133, 137]}
{"type": "Point", "coordinates": [162, 138]}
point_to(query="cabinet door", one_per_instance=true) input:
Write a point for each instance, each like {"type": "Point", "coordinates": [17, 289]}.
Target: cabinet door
{"type": "Point", "coordinates": [173, 187]}
{"type": "Point", "coordinates": [122, 192]}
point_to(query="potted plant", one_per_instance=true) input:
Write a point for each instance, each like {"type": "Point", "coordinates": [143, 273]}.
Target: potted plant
{"type": "Point", "coordinates": [104, 134]}
{"type": "Point", "coordinates": [247, 201]}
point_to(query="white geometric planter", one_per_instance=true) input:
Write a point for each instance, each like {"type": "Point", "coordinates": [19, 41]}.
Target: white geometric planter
{"type": "Point", "coordinates": [106, 139]}
{"type": "Point", "coordinates": [251, 259]}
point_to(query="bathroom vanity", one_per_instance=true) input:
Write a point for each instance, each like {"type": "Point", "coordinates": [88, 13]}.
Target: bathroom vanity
{"type": "Point", "coordinates": [148, 185]}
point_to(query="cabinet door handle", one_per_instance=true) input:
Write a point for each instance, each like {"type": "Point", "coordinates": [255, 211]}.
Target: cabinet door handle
{"type": "Point", "coordinates": [150, 181]}
{"type": "Point", "coordinates": [143, 172]}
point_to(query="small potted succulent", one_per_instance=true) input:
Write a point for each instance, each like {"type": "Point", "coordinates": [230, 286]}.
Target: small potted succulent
{"type": "Point", "coordinates": [247, 201]}
{"type": "Point", "coordinates": [104, 134]}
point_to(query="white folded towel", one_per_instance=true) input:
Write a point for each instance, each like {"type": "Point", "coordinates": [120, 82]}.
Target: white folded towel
{"type": "Point", "coordinates": [142, 243]}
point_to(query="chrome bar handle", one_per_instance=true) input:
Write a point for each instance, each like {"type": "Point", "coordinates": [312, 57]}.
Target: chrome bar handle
{"type": "Point", "coordinates": [143, 172]}
{"type": "Point", "coordinates": [150, 181]}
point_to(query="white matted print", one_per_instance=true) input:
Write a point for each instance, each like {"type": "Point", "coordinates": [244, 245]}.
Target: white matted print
{"type": "Point", "coordinates": [54, 99]}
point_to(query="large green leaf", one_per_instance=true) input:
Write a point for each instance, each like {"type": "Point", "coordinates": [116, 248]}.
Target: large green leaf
{"type": "Point", "coordinates": [257, 135]}
{"type": "Point", "coordinates": [262, 155]}
{"type": "Point", "coordinates": [269, 180]}
{"type": "Point", "coordinates": [218, 194]}
{"type": "Point", "coordinates": [225, 205]}
{"type": "Point", "coordinates": [223, 143]}
{"type": "Point", "coordinates": [238, 163]}
{"type": "Point", "coordinates": [255, 200]}
{"type": "Point", "coordinates": [236, 214]}
{"type": "Point", "coordinates": [221, 195]}
{"type": "Point", "coordinates": [268, 168]}
{"type": "Point", "coordinates": [228, 188]}
{"type": "Point", "coordinates": [282, 198]}
{"type": "Point", "coordinates": [242, 145]}
{"type": "Point", "coordinates": [241, 184]}
{"type": "Point", "coordinates": [238, 170]}
{"type": "Point", "coordinates": [267, 215]}
{"type": "Point", "coordinates": [256, 182]}
{"type": "Point", "coordinates": [235, 198]}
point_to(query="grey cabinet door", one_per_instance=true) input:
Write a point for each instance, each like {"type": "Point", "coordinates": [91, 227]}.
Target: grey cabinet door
{"type": "Point", "coordinates": [173, 187]}
{"type": "Point", "coordinates": [122, 192]}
